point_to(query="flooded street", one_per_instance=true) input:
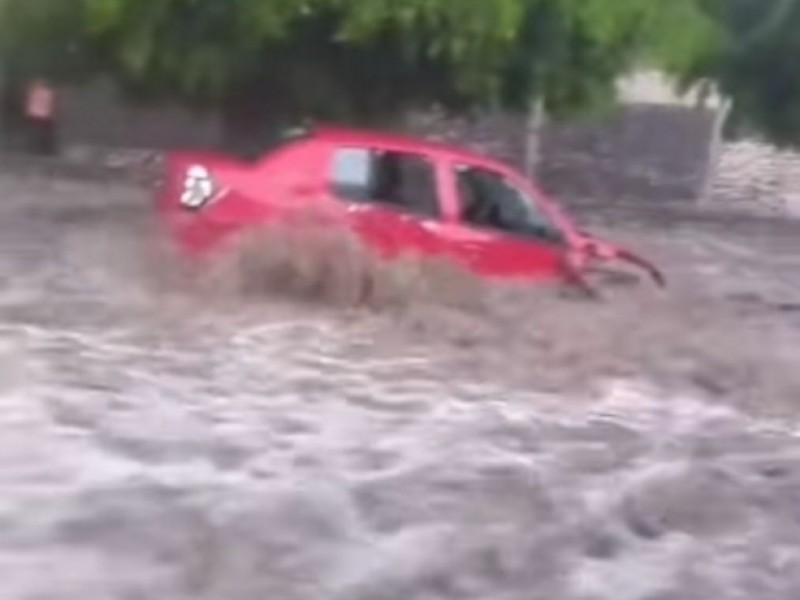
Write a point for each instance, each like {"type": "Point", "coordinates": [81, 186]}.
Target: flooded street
{"type": "Point", "coordinates": [487, 444]}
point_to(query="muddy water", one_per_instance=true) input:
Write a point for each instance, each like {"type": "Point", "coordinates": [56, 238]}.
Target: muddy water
{"type": "Point", "coordinates": [207, 439]}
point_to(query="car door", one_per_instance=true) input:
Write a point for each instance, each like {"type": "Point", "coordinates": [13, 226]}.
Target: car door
{"type": "Point", "coordinates": [500, 230]}
{"type": "Point", "coordinates": [391, 198]}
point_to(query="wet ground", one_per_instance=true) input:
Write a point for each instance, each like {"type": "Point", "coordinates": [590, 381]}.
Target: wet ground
{"type": "Point", "coordinates": [452, 441]}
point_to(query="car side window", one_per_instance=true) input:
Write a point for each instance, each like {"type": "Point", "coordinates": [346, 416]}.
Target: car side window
{"type": "Point", "coordinates": [489, 200]}
{"type": "Point", "coordinates": [404, 181]}
{"type": "Point", "coordinates": [352, 174]}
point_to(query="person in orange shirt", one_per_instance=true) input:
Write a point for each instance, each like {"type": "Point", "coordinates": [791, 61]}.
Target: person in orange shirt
{"type": "Point", "coordinates": [40, 109]}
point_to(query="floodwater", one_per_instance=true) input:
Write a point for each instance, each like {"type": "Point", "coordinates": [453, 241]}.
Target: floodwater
{"type": "Point", "coordinates": [253, 433]}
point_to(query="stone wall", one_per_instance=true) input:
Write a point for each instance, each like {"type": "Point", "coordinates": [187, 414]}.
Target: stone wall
{"type": "Point", "coordinates": [497, 134]}
{"type": "Point", "coordinates": [645, 152]}
{"type": "Point", "coordinates": [94, 116]}
{"type": "Point", "coordinates": [649, 152]}
{"type": "Point", "coordinates": [642, 152]}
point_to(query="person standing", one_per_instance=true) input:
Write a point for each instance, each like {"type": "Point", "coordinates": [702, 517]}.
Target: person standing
{"type": "Point", "coordinates": [40, 109]}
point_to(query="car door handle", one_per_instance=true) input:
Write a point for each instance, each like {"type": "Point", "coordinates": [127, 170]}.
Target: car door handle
{"type": "Point", "coordinates": [434, 226]}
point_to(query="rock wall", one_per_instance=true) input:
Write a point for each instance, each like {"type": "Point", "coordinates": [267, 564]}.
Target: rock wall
{"type": "Point", "coordinates": [643, 152]}
{"type": "Point", "coordinates": [94, 116]}
{"type": "Point", "coordinates": [497, 134]}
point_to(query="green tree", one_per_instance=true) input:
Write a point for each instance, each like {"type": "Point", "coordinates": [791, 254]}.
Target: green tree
{"type": "Point", "coordinates": [357, 59]}
{"type": "Point", "coordinates": [757, 67]}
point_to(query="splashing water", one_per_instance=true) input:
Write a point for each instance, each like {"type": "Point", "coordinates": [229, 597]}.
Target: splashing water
{"type": "Point", "coordinates": [257, 429]}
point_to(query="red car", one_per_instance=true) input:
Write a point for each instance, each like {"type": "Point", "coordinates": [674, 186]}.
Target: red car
{"type": "Point", "coordinates": [400, 195]}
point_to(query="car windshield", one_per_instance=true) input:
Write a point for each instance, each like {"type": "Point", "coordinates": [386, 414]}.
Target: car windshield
{"type": "Point", "coordinates": [491, 200]}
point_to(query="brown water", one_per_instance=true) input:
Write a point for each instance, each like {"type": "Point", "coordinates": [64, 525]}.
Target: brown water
{"type": "Point", "coordinates": [256, 432]}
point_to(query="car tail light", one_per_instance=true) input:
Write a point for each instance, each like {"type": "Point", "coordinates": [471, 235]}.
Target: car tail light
{"type": "Point", "coordinates": [198, 188]}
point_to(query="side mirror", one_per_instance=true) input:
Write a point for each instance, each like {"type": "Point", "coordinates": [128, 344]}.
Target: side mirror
{"type": "Point", "coordinates": [595, 249]}
{"type": "Point", "coordinates": [592, 249]}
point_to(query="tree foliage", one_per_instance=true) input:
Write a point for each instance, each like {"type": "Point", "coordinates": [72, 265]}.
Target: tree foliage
{"type": "Point", "coordinates": [357, 57]}
{"type": "Point", "coordinates": [756, 65]}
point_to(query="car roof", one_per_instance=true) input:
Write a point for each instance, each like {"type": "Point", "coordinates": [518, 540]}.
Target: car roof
{"type": "Point", "coordinates": [376, 137]}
